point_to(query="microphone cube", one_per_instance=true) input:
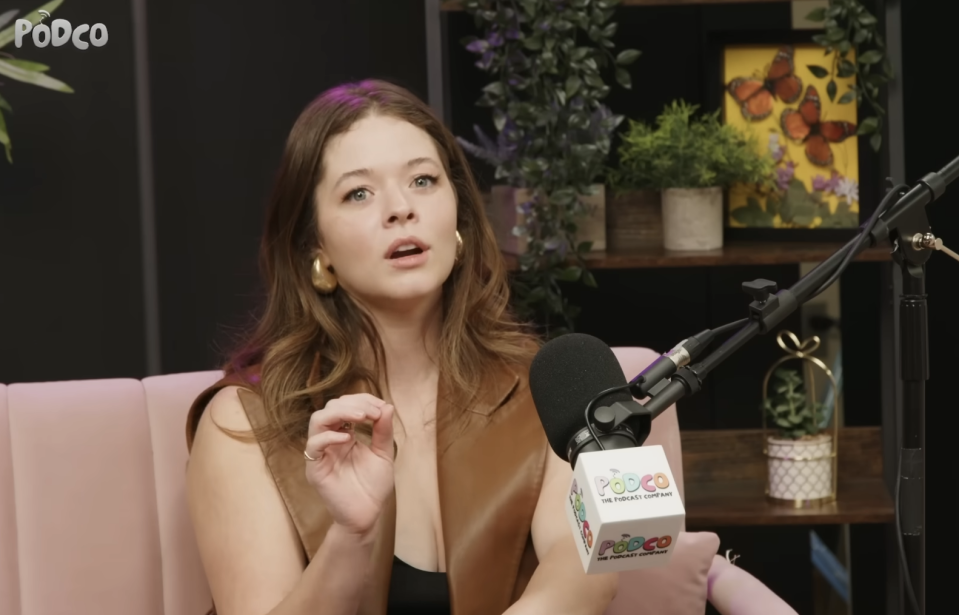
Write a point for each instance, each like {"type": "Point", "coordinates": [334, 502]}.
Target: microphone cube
{"type": "Point", "coordinates": [624, 509]}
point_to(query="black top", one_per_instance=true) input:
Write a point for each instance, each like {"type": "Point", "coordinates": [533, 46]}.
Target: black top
{"type": "Point", "coordinates": [417, 592]}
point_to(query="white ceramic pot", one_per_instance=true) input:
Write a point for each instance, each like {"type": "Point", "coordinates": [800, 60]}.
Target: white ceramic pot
{"type": "Point", "coordinates": [693, 218]}
{"type": "Point", "coordinates": [800, 470]}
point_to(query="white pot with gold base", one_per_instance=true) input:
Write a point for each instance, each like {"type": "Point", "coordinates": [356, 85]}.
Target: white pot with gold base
{"type": "Point", "coordinates": [800, 471]}
{"type": "Point", "coordinates": [802, 455]}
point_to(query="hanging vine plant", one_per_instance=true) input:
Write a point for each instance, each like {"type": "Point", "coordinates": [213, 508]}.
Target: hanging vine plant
{"type": "Point", "coordinates": [547, 58]}
{"type": "Point", "coordinates": [850, 27]}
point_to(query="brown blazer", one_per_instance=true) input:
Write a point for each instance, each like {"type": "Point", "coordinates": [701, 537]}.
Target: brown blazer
{"type": "Point", "coordinates": [490, 477]}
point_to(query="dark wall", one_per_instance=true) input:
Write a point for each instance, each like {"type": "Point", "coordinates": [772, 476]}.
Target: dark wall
{"type": "Point", "coordinates": [71, 301]}
{"type": "Point", "coordinates": [226, 89]}
{"type": "Point", "coordinates": [931, 142]}
{"type": "Point", "coordinates": [227, 80]}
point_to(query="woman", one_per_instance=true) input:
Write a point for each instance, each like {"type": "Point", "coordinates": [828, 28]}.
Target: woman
{"type": "Point", "coordinates": [396, 463]}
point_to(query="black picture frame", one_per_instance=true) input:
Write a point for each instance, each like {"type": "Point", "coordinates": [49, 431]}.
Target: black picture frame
{"type": "Point", "coordinates": [715, 89]}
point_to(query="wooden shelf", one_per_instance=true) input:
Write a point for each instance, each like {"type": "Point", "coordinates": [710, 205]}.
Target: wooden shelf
{"type": "Point", "coordinates": [744, 503]}
{"type": "Point", "coordinates": [454, 5]}
{"type": "Point", "coordinates": [725, 473]}
{"type": "Point", "coordinates": [734, 253]}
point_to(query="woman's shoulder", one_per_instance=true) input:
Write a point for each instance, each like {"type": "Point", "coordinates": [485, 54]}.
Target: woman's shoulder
{"type": "Point", "coordinates": [220, 404]}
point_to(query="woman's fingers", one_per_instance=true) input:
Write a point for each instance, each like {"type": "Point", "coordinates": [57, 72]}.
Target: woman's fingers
{"type": "Point", "coordinates": [382, 440]}
{"type": "Point", "coordinates": [344, 410]}
{"type": "Point", "coordinates": [316, 445]}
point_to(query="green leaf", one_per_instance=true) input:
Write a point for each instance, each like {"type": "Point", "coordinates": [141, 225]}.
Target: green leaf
{"type": "Point", "coordinates": [627, 57]}
{"type": "Point", "coordinates": [803, 215]}
{"type": "Point", "coordinates": [594, 80]}
{"type": "Point", "coordinates": [871, 57]}
{"type": "Point", "coordinates": [34, 78]}
{"type": "Point", "coordinates": [584, 246]}
{"type": "Point", "coordinates": [867, 20]}
{"type": "Point", "coordinates": [845, 69]}
{"type": "Point", "coordinates": [818, 71]}
{"type": "Point", "coordinates": [5, 18]}
{"type": "Point", "coordinates": [588, 279]}
{"type": "Point", "coordinates": [772, 205]}
{"type": "Point", "coordinates": [835, 34]}
{"type": "Point", "coordinates": [573, 83]}
{"type": "Point", "coordinates": [817, 14]}
{"type": "Point", "coordinates": [831, 89]}
{"type": "Point", "coordinates": [847, 98]}
{"type": "Point", "coordinates": [623, 78]}
{"type": "Point", "coordinates": [499, 119]}
{"type": "Point", "coordinates": [4, 104]}
{"type": "Point", "coordinates": [5, 139]}
{"type": "Point", "coordinates": [868, 126]}
{"type": "Point", "coordinates": [875, 141]}
{"type": "Point", "coordinates": [580, 53]}
{"type": "Point", "coordinates": [533, 43]}
{"type": "Point", "coordinates": [496, 88]}
{"type": "Point", "coordinates": [8, 34]}
{"type": "Point", "coordinates": [569, 274]}
{"type": "Point", "coordinates": [27, 65]}
{"type": "Point", "coordinates": [887, 68]}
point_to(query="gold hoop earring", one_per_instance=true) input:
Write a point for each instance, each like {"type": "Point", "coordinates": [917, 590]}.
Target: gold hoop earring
{"type": "Point", "coordinates": [459, 247]}
{"type": "Point", "coordinates": [323, 279]}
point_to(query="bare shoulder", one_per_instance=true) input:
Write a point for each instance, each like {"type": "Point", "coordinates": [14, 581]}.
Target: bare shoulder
{"type": "Point", "coordinates": [249, 547]}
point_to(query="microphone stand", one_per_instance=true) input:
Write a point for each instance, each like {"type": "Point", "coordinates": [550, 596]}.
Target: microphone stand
{"type": "Point", "coordinates": [906, 226]}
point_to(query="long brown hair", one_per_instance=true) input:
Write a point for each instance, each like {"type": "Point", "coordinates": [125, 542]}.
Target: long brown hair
{"type": "Point", "coordinates": [304, 348]}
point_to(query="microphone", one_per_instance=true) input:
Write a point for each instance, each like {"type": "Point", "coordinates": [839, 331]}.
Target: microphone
{"type": "Point", "coordinates": [623, 507]}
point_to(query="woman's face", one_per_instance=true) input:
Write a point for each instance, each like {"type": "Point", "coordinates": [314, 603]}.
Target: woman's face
{"type": "Point", "coordinates": [387, 213]}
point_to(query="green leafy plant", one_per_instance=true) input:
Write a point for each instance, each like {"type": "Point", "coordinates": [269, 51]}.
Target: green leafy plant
{"type": "Point", "coordinates": [683, 151]}
{"type": "Point", "coordinates": [850, 27]}
{"type": "Point", "coordinates": [25, 71]}
{"type": "Point", "coordinates": [788, 407]}
{"type": "Point", "coordinates": [547, 59]}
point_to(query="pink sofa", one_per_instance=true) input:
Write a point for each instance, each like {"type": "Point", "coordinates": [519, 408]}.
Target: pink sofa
{"type": "Point", "coordinates": [92, 511]}
{"type": "Point", "coordinates": [93, 517]}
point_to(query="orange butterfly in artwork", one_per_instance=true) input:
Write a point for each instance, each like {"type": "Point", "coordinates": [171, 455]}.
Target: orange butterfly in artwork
{"type": "Point", "coordinates": [804, 125]}
{"type": "Point", "coordinates": [756, 95]}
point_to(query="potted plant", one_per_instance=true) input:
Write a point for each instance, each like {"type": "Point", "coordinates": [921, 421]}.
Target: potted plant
{"type": "Point", "coordinates": [689, 159]}
{"type": "Point", "coordinates": [553, 138]}
{"type": "Point", "coordinates": [23, 70]}
{"type": "Point", "coordinates": [800, 452]}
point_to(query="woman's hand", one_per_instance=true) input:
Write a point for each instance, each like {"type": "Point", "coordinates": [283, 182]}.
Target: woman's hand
{"type": "Point", "coordinates": [352, 478]}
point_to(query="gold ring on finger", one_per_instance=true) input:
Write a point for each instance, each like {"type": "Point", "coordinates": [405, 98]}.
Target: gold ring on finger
{"type": "Point", "coordinates": [317, 458]}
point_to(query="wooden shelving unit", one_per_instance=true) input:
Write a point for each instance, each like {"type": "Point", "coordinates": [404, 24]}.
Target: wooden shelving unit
{"type": "Point", "coordinates": [725, 472]}
{"type": "Point", "coordinates": [734, 253]}
{"type": "Point", "coordinates": [454, 5]}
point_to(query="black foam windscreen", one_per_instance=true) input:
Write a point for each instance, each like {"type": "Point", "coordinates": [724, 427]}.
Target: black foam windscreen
{"type": "Point", "coordinates": [565, 375]}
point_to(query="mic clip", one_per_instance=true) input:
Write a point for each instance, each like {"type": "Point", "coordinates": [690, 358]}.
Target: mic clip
{"type": "Point", "coordinates": [629, 414]}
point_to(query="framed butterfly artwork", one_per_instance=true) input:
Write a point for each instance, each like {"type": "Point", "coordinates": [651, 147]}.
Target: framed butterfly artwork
{"type": "Point", "coordinates": [775, 84]}
{"type": "Point", "coordinates": [771, 92]}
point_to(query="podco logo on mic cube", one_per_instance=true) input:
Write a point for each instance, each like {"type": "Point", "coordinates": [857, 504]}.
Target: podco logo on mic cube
{"type": "Point", "coordinates": [629, 514]}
